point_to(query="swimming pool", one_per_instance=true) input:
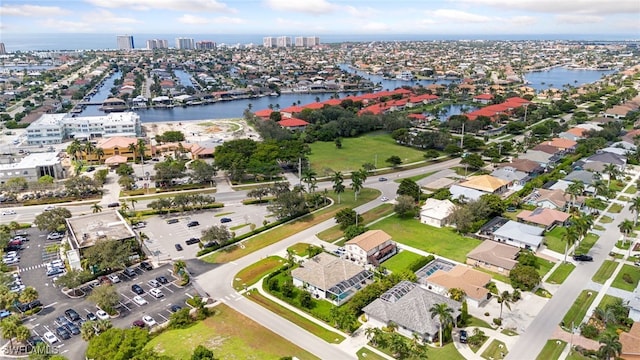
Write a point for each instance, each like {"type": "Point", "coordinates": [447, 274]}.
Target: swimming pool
{"type": "Point", "coordinates": [435, 265]}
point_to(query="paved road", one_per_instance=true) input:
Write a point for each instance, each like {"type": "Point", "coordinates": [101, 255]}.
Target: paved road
{"type": "Point", "coordinates": [218, 282]}
{"type": "Point", "coordinates": [543, 326]}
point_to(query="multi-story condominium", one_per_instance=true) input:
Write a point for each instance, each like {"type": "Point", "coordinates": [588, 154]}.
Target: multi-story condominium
{"type": "Point", "coordinates": [309, 41]}
{"type": "Point", "coordinates": [3, 51]}
{"type": "Point", "coordinates": [125, 42]}
{"type": "Point", "coordinates": [185, 44]}
{"type": "Point", "coordinates": [205, 45]}
{"type": "Point", "coordinates": [269, 41]}
{"type": "Point", "coordinates": [55, 128]}
{"type": "Point", "coordinates": [157, 44]}
{"type": "Point", "coordinates": [283, 41]}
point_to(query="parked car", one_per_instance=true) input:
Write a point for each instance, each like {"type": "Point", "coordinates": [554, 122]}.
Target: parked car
{"type": "Point", "coordinates": [146, 266]}
{"type": "Point", "coordinates": [72, 328]}
{"type": "Point", "coordinates": [139, 300]}
{"type": "Point", "coordinates": [129, 272]}
{"type": "Point", "coordinates": [72, 315]}
{"type": "Point", "coordinates": [175, 308]}
{"type": "Point", "coordinates": [149, 320]}
{"type": "Point", "coordinates": [114, 278]}
{"type": "Point", "coordinates": [9, 212]}
{"type": "Point", "coordinates": [192, 223]}
{"type": "Point", "coordinates": [139, 323]}
{"type": "Point", "coordinates": [225, 220]}
{"type": "Point", "coordinates": [55, 236]}
{"type": "Point", "coordinates": [162, 280]}
{"type": "Point", "coordinates": [102, 315]}
{"type": "Point", "coordinates": [5, 314]}
{"type": "Point", "coordinates": [63, 333]}
{"type": "Point", "coordinates": [157, 293]}
{"type": "Point", "coordinates": [582, 257]}
{"type": "Point", "coordinates": [49, 208]}
{"type": "Point", "coordinates": [153, 283]}
{"type": "Point", "coordinates": [178, 247]}
{"type": "Point", "coordinates": [91, 168]}
{"type": "Point", "coordinates": [92, 317]}
{"type": "Point", "coordinates": [137, 289]}
{"type": "Point", "coordinates": [113, 204]}
{"type": "Point", "coordinates": [54, 271]}
{"type": "Point", "coordinates": [192, 241]}
{"type": "Point", "coordinates": [172, 221]}
{"type": "Point", "coordinates": [50, 338]}
{"type": "Point", "coordinates": [463, 336]}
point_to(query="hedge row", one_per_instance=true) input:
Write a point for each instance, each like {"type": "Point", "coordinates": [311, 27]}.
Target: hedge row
{"type": "Point", "coordinates": [420, 263]}
{"type": "Point", "coordinates": [258, 201]}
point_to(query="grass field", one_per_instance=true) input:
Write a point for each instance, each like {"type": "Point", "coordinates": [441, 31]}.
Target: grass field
{"type": "Point", "coordinates": [579, 308]}
{"type": "Point", "coordinates": [586, 244]}
{"type": "Point", "coordinates": [552, 350]}
{"type": "Point", "coordinates": [553, 239]}
{"type": "Point", "coordinates": [545, 266]}
{"type": "Point", "coordinates": [562, 272]}
{"type": "Point", "coordinates": [604, 273]}
{"type": "Point", "coordinates": [634, 273]}
{"type": "Point", "coordinates": [366, 354]}
{"type": "Point", "coordinates": [577, 356]}
{"type": "Point", "coordinates": [631, 190]}
{"type": "Point", "coordinates": [495, 351]}
{"type": "Point", "coordinates": [442, 241]}
{"type": "Point", "coordinates": [605, 219]}
{"type": "Point", "coordinates": [607, 300]}
{"type": "Point", "coordinates": [230, 335]}
{"type": "Point", "coordinates": [615, 208]}
{"type": "Point", "coordinates": [325, 158]}
{"type": "Point", "coordinates": [281, 232]}
{"type": "Point", "coordinates": [401, 261]}
{"type": "Point", "coordinates": [317, 330]}
{"type": "Point", "coordinates": [300, 249]}
{"type": "Point", "coordinates": [416, 178]}
{"type": "Point", "coordinates": [256, 271]}
{"type": "Point", "coordinates": [334, 233]}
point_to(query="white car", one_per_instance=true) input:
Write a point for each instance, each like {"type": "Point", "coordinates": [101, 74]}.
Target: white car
{"type": "Point", "coordinates": [114, 278]}
{"type": "Point", "coordinates": [50, 338]}
{"type": "Point", "coordinates": [49, 208]}
{"type": "Point", "coordinates": [384, 198]}
{"type": "Point", "coordinates": [157, 293]}
{"type": "Point", "coordinates": [149, 321]}
{"type": "Point", "coordinates": [139, 300]}
{"type": "Point", "coordinates": [102, 315]}
{"type": "Point", "coordinates": [9, 212]}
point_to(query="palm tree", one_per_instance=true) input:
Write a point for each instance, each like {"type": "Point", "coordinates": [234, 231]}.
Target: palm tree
{"type": "Point", "coordinates": [611, 346]}
{"type": "Point", "coordinates": [133, 203]}
{"type": "Point", "coordinates": [504, 298]}
{"type": "Point", "coordinates": [99, 154]}
{"type": "Point", "coordinates": [611, 170]}
{"type": "Point", "coordinates": [356, 183]}
{"type": "Point", "coordinates": [87, 330]}
{"type": "Point", "coordinates": [338, 186]}
{"type": "Point", "coordinates": [574, 190]}
{"type": "Point", "coordinates": [571, 236]}
{"type": "Point", "coordinates": [142, 147]}
{"type": "Point", "coordinates": [607, 316]}
{"type": "Point", "coordinates": [89, 148]}
{"type": "Point", "coordinates": [601, 188]}
{"type": "Point", "coordinates": [635, 207]}
{"type": "Point", "coordinates": [134, 149]}
{"type": "Point", "coordinates": [14, 226]}
{"type": "Point", "coordinates": [96, 208]}
{"type": "Point", "coordinates": [28, 295]}
{"type": "Point", "coordinates": [22, 334]}
{"type": "Point", "coordinates": [103, 325]}
{"type": "Point", "coordinates": [308, 177]}
{"type": "Point", "coordinates": [626, 227]}
{"type": "Point", "coordinates": [443, 312]}
{"type": "Point", "coordinates": [73, 149]}
{"type": "Point", "coordinates": [9, 328]}
{"type": "Point", "coordinates": [583, 224]}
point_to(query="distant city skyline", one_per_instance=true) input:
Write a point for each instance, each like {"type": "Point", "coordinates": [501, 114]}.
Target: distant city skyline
{"type": "Point", "coordinates": [321, 17]}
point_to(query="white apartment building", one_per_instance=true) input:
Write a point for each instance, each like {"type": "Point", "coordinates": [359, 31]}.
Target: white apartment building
{"type": "Point", "coordinates": [32, 167]}
{"type": "Point", "coordinates": [55, 128]}
{"type": "Point", "coordinates": [283, 41]}
{"type": "Point", "coordinates": [269, 41]}
{"type": "Point", "coordinates": [125, 42]}
{"type": "Point", "coordinates": [185, 43]}
{"type": "Point", "coordinates": [307, 41]}
{"type": "Point", "coordinates": [157, 44]}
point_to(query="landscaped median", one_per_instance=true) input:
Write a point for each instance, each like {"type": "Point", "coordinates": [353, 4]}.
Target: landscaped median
{"type": "Point", "coordinates": [579, 309]}
{"type": "Point", "coordinates": [552, 350]}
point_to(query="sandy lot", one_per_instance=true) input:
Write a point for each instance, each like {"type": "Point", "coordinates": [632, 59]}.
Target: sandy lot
{"type": "Point", "coordinates": [205, 132]}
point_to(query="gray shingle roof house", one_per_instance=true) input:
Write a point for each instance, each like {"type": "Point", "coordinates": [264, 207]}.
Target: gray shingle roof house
{"type": "Point", "coordinates": [586, 177]}
{"type": "Point", "coordinates": [328, 277]}
{"type": "Point", "coordinates": [597, 162]}
{"type": "Point", "coordinates": [407, 305]}
{"type": "Point", "coordinates": [520, 235]}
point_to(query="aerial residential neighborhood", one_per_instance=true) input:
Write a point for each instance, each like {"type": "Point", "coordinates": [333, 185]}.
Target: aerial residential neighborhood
{"type": "Point", "coordinates": [180, 193]}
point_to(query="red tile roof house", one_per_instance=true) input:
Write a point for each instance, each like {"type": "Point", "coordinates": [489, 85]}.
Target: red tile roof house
{"type": "Point", "coordinates": [561, 144]}
{"type": "Point", "coordinates": [483, 98]}
{"type": "Point", "coordinates": [293, 123]}
{"type": "Point", "coordinates": [421, 100]}
{"type": "Point", "coordinates": [549, 218]}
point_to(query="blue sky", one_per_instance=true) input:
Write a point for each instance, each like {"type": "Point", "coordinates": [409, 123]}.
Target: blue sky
{"type": "Point", "coordinates": [292, 17]}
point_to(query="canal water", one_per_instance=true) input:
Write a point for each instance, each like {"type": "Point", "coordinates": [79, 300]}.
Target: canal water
{"type": "Point", "coordinates": [559, 76]}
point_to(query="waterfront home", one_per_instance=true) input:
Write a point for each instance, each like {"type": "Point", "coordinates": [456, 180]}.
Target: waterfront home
{"type": "Point", "coordinates": [483, 98]}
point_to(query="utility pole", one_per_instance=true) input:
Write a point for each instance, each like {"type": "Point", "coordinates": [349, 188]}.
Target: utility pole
{"type": "Point", "coordinates": [299, 171]}
{"type": "Point", "coordinates": [375, 162]}
{"type": "Point", "coordinates": [462, 138]}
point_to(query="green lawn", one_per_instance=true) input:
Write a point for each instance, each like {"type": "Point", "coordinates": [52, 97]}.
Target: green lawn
{"type": "Point", "coordinates": [607, 300]}
{"type": "Point", "coordinates": [334, 233]}
{"type": "Point", "coordinates": [579, 308]}
{"type": "Point", "coordinates": [553, 239]}
{"type": "Point", "coordinates": [254, 272]}
{"type": "Point", "coordinates": [509, 332]}
{"type": "Point", "coordinates": [401, 261]}
{"type": "Point", "coordinates": [545, 266]}
{"type": "Point", "coordinates": [301, 321]}
{"type": "Point", "coordinates": [615, 208]}
{"type": "Point", "coordinates": [562, 272]}
{"type": "Point", "coordinates": [448, 352]}
{"type": "Point", "coordinates": [552, 350]}
{"type": "Point", "coordinates": [230, 335]}
{"type": "Point", "coordinates": [495, 351]}
{"type": "Point", "coordinates": [577, 356]}
{"type": "Point", "coordinates": [278, 233]}
{"type": "Point", "coordinates": [631, 190]}
{"type": "Point", "coordinates": [442, 241]}
{"type": "Point", "coordinates": [416, 178]}
{"type": "Point", "coordinates": [325, 158]}
{"type": "Point", "coordinates": [476, 322]}
{"type": "Point", "coordinates": [634, 273]}
{"type": "Point", "coordinates": [300, 249]}
{"type": "Point", "coordinates": [586, 244]}
{"type": "Point", "coordinates": [366, 354]}
{"type": "Point", "coordinates": [605, 219]}
{"type": "Point", "coordinates": [604, 273]}
{"type": "Point", "coordinates": [598, 227]}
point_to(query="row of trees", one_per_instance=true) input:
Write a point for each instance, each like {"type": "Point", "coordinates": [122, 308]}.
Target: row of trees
{"type": "Point", "coordinates": [183, 202]}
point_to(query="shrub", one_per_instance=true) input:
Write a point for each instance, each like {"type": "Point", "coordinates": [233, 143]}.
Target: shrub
{"type": "Point", "coordinates": [589, 331]}
{"type": "Point", "coordinates": [524, 277]}
{"type": "Point", "coordinates": [497, 321]}
{"type": "Point", "coordinates": [180, 319]}
{"type": "Point", "coordinates": [492, 288]}
{"type": "Point", "coordinates": [305, 300]}
{"type": "Point", "coordinates": [627, 278]}
{"type": "Point", "coordinates": [419, 263]}
{"type": "Point", "coordinates": [486, 313]}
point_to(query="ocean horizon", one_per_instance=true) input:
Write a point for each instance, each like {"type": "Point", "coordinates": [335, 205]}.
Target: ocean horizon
{"type": "Point", "coordinates": [67, 41]}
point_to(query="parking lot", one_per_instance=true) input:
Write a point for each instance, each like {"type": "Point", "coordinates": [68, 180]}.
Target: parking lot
{"type": "Point", "coordinates": [159, 308]}
{"type": "Point", "coordinates": [164, 236]}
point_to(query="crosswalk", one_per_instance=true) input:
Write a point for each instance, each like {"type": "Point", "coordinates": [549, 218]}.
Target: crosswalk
{"type": "Point", "coordinates": [230, 297]}
{"type": "Point", "coordinates": [33, 267]}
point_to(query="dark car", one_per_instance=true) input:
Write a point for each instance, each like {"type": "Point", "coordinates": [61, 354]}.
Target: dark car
{"type": "Point", "coordinates": [61, 320]}
{"type": "Point", "coordinates": [172, 221]}
{"type": "Point", "coordinates": [225, 220]}
{"type": "Point", "coordinates": [382, 179]}
{"type": "Point", "coordinates": [193, 223]}
{"type": "Point", "coordinates": [129, 272]}
{"type": "Point", "coordinates": [175, 308]}
{"type": "Point", "coordinates": [162, 280]}
{"type": "Point", "coordinates": [90, 168]}
{"type": "Point", "coordinates": [137, 289]}
{"type": "Point", "coordinates": [92, 317]}
{"type": "Point", "coordinates": [146, 266]}
{"type": "Point", "coordinates": [113, 204]}
{"type": "Point", "coordinates": [582, 257]}
{"type": "Point", "coordinates": [35, 340]}
{"type": "Point", "coordinates": [72, 315]}
{"type": "Point", "coordinates": [63, 333]}
{"type": "Point", "coordinates": [463, 336]}
{"type": "Point", "coordinates": [72, 328]}
{"type": "Point", "coordinates": [139, 323]}
{"type": "Point", "coordinates": [178, 247]}
{"type": "Point", "coordinates": [192, 241]}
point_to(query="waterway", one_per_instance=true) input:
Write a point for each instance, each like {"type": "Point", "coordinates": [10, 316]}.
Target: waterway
{"type": "Point", "coordinates": [454, 109]}
{"type": "Point", "coordinates": [555, 77]}
{"type": "Point", "coordinates": [103, 93]}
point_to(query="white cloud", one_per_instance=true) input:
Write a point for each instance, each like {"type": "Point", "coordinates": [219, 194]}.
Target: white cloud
{"type": "Point", "coordinates": [594, 7]}
{"type": "Point", "coordinates": [363, 12]}
{"type": "Point", "coordinates": [578, 19]}
{"type": "Point", "coordinates": [192, 20]}
{"type": "Point", "coordinates": [107, 17]}
{"type": "Point", "coordinates": [67, 26]}
{"type": "Point", "coordinates": [375, 26]}
{"type": "Point", "coordinates": [523, 20]}
{"type": "Point", "coordinates": [31, 10]}
{"type": "Point", "coordinates": [289, 22]}
{"type": "Point", "coordinates": [315, 7]}
{"type": "Point", "coordinates": [458, 16]}
{"type": "Point", "coordinates": [228, 20]}
{"type": "Point", "coordinates": [183, 5]}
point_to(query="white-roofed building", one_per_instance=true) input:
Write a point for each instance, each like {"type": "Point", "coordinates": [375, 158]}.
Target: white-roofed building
{"type": "Point", "coordinates": [32, 167]}
{"type": "Point", "coordinates": [434, 212]}
{"type": "Point", "coordinates": [520, 235]}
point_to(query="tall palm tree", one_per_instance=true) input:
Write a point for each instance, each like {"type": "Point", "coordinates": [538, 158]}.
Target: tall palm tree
{"type": "Point", "coordinates": [308, 177]}
{"type": "Point", "coordinates": [134, 149]}
{"type": "Point", "coordinates": [444, 314]}
{"type": "Point", "coordinates": [133, 203]}
{"type": "Point", "coordinates": [626, 227]}
{"type": "Point", "coordinates": [571, 236]}
{"type": "Point", "coordinates": [142, 147]}
{"type": "Point", "coordinates": [601, 188]}
{"type": "Point", "coordinates": [574, 190]}
{"type": "Point", "coordinates": [9, 327]}
{"type": "Point", "coordinates": [96, 208]}
{"type": "Point", "coordinates": [583, 224]}
{"type": "Point", "coordinates": [611, 170]}
{"type": "Point", "coordinates": [88, 148]}
{"type": "Point", "coordinates": [99, 154]}
{"type": "Point", "coordinates": [356, 183]}
{"type": "Point", "coordinates": [611, 346]}
{"type": "Point", "coordinates": [73, 149]}
{"type": "Point", "coordinates": [504, 298]}
{"type": "Point", "coordinates": [635, 207]}
{"type": "Point", "coordinates": [338, 186]}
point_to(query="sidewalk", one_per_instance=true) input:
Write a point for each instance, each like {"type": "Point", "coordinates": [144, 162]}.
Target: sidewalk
{"type": "Point", "coordinates": [467, 353]}
{"type": "Point", "coordinates": [602, 292]}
